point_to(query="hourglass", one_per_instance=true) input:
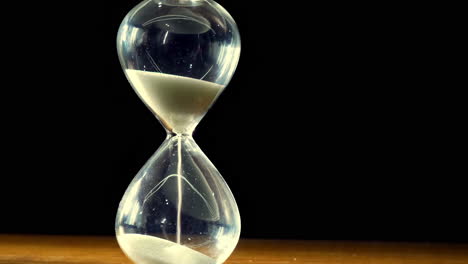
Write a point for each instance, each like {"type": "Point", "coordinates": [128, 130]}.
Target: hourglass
{"type": "Point", "coordinates": [178, 55]}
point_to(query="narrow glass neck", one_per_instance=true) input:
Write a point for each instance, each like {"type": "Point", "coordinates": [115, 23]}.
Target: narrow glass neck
{"type": "Point", "coordinates": [179, 127]}
{"type": "Point", "coordinates": [173, 134]}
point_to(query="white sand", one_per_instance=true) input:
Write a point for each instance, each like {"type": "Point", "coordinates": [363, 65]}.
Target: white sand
{"type": "Point", "coordinates": [143, 249]}
{"type": "Point", "coordinates": [179, 102]}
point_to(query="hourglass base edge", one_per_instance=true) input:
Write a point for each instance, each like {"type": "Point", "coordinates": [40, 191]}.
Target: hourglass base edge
{"type": "Point", "coordinates": [178, 209]}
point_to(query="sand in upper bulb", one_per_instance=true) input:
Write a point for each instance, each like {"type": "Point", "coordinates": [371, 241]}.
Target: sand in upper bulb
{"type": "Point", "coordinates": [179, 102]}
{"type": "Point", "coordinates": [144, 249]}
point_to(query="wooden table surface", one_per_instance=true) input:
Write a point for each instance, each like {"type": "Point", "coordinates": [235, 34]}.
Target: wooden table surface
{"type": "Point", "coordinates": [22, 249]}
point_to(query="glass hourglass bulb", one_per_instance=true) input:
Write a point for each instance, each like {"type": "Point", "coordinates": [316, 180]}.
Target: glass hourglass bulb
{"type": "Point", "coordinates": [178, 55]}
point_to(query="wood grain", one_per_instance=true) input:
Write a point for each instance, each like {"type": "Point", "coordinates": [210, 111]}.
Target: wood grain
{"type": "Point", "coordinates": [15, 249]}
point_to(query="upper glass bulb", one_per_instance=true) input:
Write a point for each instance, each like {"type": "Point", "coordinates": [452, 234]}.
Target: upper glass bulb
{"type": "Point", "coordinates": [178, 55]}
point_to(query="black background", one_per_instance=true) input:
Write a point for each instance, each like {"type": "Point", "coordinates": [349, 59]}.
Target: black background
{"type": "Point", "coordinates": [330, 129]}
